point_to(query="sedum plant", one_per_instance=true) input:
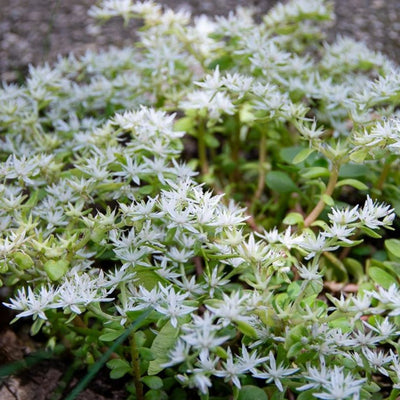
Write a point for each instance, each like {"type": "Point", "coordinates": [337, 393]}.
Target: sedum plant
{"type": "Point", "coordinates": [223, 193]}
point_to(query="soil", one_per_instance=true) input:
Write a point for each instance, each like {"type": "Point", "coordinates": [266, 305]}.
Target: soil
{"type": "Point", "coordinates": [33, 32]}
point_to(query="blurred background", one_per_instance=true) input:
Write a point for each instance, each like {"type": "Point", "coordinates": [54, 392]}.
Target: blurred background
{"type": "Point", "coordinates": [36, 31]}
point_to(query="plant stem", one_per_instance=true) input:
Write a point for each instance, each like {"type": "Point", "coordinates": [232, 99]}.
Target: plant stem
{"type": "Point", "coordinates": [136, 367]}
{"type": "Point", "coordinates": [235, 149]}
{"type": "Point", "coordinates": [383, 175]}
{"type": "Point", "coordinates": [261, 170]}
{"type": "Point", "coordinates": [202, 150]}
{"type": "Point", "coordinates": [314, 214]}
{"type": "Point", "coordinates": [103, 359]}
{"type": "Point", "coordinates": [300, 296]}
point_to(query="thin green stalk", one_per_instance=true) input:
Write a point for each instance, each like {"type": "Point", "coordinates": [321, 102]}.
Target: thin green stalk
{"type": "Point", "coordinates": [103, 359]}
{"type": "Point", "coordinates": [202, 149]}
{"type": "Point", "coordinates": [300, 296]}
{"type": "Point", "coordinates": [314, 214]}
{"type": "Point", "coordinates": [384, 174]}
{"type": "Point", "coordinates": [136, 367]}
{"type": "Point", "coordinates": [235, 149]}
{"type": "Point", "coordinates": [261, 169]}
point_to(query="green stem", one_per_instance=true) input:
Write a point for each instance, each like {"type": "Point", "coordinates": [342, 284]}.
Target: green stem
{"type": "Point", "coordinates": [136, 368]}
{"type": "Point", "coordinates": [314, 214]}
{"type": "Point", "coordinates": [96, 309]}
{"type": "Point", "coordinates": [384, 174]}
{"type": "Point", "coordinates": [103, 359]}
{"type": "Point", "coordinates": [235, 149]}
{"type": "Point", "coordinates": [202, 149]}
{"type": "Point", "coordinates": [261, 169]}
{"type": "Point", "coordinates": [300, 296]}
{"type": "Point", "coordinates": [82, 243]}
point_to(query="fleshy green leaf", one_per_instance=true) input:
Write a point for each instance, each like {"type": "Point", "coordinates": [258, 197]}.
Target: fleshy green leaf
{"type": "Point", "coordinates": [250, 392]}
{"type": "Point", "coordinates": [381, 277]}
{"type": "Point", "coordinates": [294, 218]}
{"type": "Point", "coordinates": [280, 182]}
{"type": "Point", "coordinates": [119, 368]}
{"type": "Point", "coordinates": [353, 171]}
{"type": "Point", "coordinates": [393, 247]}
{"type": "Point", "coordinates": [354, 183]}
{"type": "Point", "coordinates": [184, 124]}
{"type": "Point", "coordinates": [146, 354]}
{"type": "Point", "coordinates": [211, 141]}
{"type": "Point", "coordinates": [247, 329]}
{"type": "Point", "coordinates": [147, 277]}
{"type": "Point", "coordinates": [160, 347]}
{"type": "Point", "coordinates": [111, 334]}
{"type": "Point", "coordinates": [302, 155]}
{"type": "Point", "coordinates": [359, 156]}
{"type": "Point", "coordinates": [56, 269]}
{"type": "Point", "coordinates": [153, 382]}
{"type": "Point", "coordinates": [24, 261]}
{"type": "Point", "coordinates": [328, 200]}
{"type": "Point", "coordinates": [354, 267]}
{"type": "Point", "coordinates": [314, 172]}
{"type": "Point", "coordinates": [371, 232]}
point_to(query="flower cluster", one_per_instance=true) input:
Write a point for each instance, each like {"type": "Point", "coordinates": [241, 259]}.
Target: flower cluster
{"type": "Point", "coordinates": [113, 168]}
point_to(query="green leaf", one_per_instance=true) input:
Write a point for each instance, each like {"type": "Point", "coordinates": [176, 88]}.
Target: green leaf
{"type": "Point", "coordinates": [36, 326]}
{"type": "Point", "coordinates": [163, 342]}
{"type": "Point", "coordinates": [328, 200]}
{"type": "Point", "coordinates": [221, 352]}
{"type": "Point", "coordinates": [359, 155]}
{"type": "Point", "coordinates": [293, 290]}
{"type": "Point", "coordinates": [280, 182]}
{"type": "Point", "coordinates": [307, 395]}
{"type": "Point", "coordinates": [293, 218]}
{"type": "Point", "coordinates": [111, 334]}
{"type": "Point", "coordinates": [302, 155]}
{"type": "Point", "coordinates": [153, 382]}
{"type": "Point", "coordinates": [223, 62]}
{"type": "Point", "coordinates": [287, 154]}
{"type": "Point", "coordinates": [381, 277]}
{"type": "Point", "coordinates": [95, 368]}
{"type": "Point", "coordinates": [56, 269]}
{"type": "Point", "coordinates": [211, 141]}
{"type": "Point", "coordinates": [294, 350]}
{"type": "Point", "coordinates": [146, 189]}
{"type": "Point", "coordinates": [343, 323]}
{"type": "Point", "coordinates": [352, 182]}
{"type": "Point", "coordinates": [353, 170]}
{"type": "Point", "coordinates": [184, 124]}
{"type": "Point", "coordinates": [24, 261]}
{"type": "Point", "coordinates": [140, 338]}
{"type": "Point", "coordinates": [371, 387]}
{"type": "Point", "coordinates": [119, 368]}
{"type": "Point", "coordinates": [247, 329]}
{"type": "Point", "coordinates": [147, 277]}
{"type": "Point", "coordinates": [250, 392]}
{"type": "Point", "coordinates": [393, 247]}
{"type": "Point", "coordinates": [146, 354]}
{"type": "Point", "coordinates": [370, 232]}
{"type": "Point", "coordinates": [246, 115]}
{"type": "Point", "coordinates": [354, 267]}
{"type": "Point", "coordinates": [34, 198]}
{"type": "Point", "coordinates": [314, 172]}
{"type": "Point", "coordinates": [155, 395]}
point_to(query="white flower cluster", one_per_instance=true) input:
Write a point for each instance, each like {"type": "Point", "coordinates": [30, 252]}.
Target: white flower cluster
{"type": "Point", "coordinates": [383, 135]}
{"type": "Point", "coordinates": [99, 215]}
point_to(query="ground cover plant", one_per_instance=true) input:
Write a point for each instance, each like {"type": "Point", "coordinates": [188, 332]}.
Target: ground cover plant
{"type": "Point", "coordinates": [213, 210]}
